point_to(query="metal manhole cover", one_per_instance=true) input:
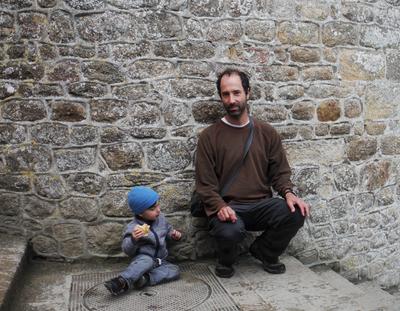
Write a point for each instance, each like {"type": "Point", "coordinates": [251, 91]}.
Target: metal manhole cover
{"type": "Point", "coordinates": [197, 289]}
{"type": "Point", "coordinates": [184, 294]}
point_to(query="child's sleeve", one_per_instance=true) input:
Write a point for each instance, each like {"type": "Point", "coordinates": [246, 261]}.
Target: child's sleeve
{"type": "Point", "coordinates": [129, 245]}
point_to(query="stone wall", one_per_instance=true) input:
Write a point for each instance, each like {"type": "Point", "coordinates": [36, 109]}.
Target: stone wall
{"type": "Point", "coordinates": [98, 96]}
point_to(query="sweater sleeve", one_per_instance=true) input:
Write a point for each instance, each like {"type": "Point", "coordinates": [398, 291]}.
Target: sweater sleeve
{"type": "Point", "coordinates": [129, 245]}
{"type": "Point", "coordinates": [207, 185]}
{"type": "Point", "coordinates": [279, 171]}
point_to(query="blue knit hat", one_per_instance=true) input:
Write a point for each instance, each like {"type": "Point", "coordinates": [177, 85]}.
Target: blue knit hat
{"type": "Point", "coordinates": [141, 198]}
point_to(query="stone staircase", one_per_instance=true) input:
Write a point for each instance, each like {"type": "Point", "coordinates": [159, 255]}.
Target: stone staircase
{"type": "Point", "coordinates": [301, 288]}
{"type": "Point", "coordinates": [13, 256]}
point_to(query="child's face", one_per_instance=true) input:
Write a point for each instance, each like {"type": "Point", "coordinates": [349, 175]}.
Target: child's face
{"type": "Point", "coordinates": [152, 212]}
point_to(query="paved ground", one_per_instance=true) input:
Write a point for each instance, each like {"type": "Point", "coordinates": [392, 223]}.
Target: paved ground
{"type": "Point", "coordinates": [45, 286]}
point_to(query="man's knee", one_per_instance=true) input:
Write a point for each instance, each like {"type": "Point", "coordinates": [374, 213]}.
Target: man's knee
{"type": "Point", "coordinates": [228, 232]}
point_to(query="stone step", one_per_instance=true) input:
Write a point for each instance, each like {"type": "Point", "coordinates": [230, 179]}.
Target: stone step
{"type": "Point", "coordinates": [297, 289]}
{"type": "Point", "coordinates": [369, 295]}
{"type": "Point", "coordinates": [13, 254]}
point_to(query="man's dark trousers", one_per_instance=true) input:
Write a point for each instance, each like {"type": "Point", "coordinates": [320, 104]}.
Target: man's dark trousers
{"type": "Point", "coordinates": [270, 215]}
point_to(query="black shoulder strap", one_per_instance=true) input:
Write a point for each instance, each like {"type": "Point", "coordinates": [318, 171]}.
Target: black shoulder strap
{"type": "Point", "coordinates": [245, 152]}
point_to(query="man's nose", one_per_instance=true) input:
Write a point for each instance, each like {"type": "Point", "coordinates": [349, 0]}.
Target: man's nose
{"type": "Point", "coordinates": [231, 99]}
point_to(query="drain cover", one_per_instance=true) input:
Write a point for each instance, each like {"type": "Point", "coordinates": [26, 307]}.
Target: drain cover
{"type": "Point", "coordinates": [197, 289]}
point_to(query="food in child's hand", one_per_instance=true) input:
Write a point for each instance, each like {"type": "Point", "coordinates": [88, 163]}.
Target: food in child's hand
{"type": "Point", "coordinates": [145, 229]}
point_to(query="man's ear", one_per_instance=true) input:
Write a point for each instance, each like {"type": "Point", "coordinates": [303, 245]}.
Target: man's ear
{"type": "Point", "coordinates": [248, 94]}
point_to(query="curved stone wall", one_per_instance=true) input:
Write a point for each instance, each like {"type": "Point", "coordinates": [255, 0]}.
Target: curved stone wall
{"type": "Point", "coordinates": [97, 96]}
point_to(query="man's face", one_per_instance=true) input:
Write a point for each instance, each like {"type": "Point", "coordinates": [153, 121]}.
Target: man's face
{"type": "Point", "coordinates": [233, 96]}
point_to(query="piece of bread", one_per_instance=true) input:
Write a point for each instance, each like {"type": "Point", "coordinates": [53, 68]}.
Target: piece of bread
{"type": "Point", "coordinates": [145, 229]}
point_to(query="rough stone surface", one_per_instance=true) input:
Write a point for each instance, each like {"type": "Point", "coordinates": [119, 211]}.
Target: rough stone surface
{"type": "Point", "coordinates": [99, 96]}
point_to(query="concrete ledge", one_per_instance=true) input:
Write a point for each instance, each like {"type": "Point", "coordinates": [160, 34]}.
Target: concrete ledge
{"type": "Point", "coordinates": [13, 254]}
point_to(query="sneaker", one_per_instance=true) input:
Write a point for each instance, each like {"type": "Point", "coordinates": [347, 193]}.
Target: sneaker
{"type": "Point", "coordinates": [271, 265]}
{"type": "Point", "coordinates": [117, 286]}
{"type": "Point", "coordinates": [141, 282]}
{"type": "Point", "coordinates": [223, 271]}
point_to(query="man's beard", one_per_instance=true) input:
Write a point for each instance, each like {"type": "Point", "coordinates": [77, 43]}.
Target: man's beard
{"type": "Point", "coordinates": [238, 110]}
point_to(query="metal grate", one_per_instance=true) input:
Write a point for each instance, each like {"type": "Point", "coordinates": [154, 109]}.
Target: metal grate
{"type": "Point", "coordinates": [197, 289]}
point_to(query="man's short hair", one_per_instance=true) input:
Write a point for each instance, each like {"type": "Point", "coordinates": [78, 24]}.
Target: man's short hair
{"type": "Point", "coordinates": [231, 71]}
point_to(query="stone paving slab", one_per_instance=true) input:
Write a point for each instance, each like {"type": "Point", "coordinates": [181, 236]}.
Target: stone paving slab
{"type": "Point", "coordinates": [13, 251]}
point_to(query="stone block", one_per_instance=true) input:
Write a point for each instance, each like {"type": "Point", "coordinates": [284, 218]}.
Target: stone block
{"type": "Point", "coordinates": [340, 33]}
{"type": "Point", "coordinates": [277, 73]}
{"type": "Point", "coordinates": [382, 100]}
{"type": "Point", "coordinates": [173, 155]}
{"type": "Point", "coordinates": [225, 30]}
{"type": "Point", "coordinates": [374, 175]}
{"type": "Point", "coordinates": [378, 37]}
{"type": "Point", "coordinates": [83, 134]}
{"type": "Point", "coordinates": [303, 110]}
{"type": "Point", "coordinates": [361, 148]}
{"type": "Point", "coordinates": [191, 88]}
{"type": "Point", "coordinates": [12, 134]}
{"type": "Point", "coordinates": [86, 5]}
{"type": "Point", "coordinates": [206, 8]}
{"type": "Point", "coordinates": [50, 133]}
{"type": "Point", "coordinates": [260, 30]}
{"type": "Point", "coordinates": [114, 204]}
{"type": "Point", "coordinates": [74, 159]}
{"type": "Point", "coordinates": [358, 12]}
{"type": "Point", "coordinates": [315, 152]}
{"type": "Point", "coordinates": [361, 65]}
{"type": "Point", "coordinates": [79, 208]}
{"type": "Point", "coordinates": [390, 144]}
{"type": "Point", "coordinates": [290, 91]}
{"type": "Point", "coordinates": [65, 70]}
{"type": "Point", "coordinates": [297, 33]}
{"type": "Point", "coordinates": [70, 111]}
{"type": "Point", "coordinates": [328, 110]}
{"type": "Point", "coordinates": [108, 110]}
{"type": "Point", "coordinates": [375, 128]}
{"type": "Point", "coordinates": [85, 183]}
{"type": "Point", "coordinates": [28, 158]}
{"type": "Point", "coordinates": [270, 113]}
{"type": "Point", "coordinates": [95, 27]}
{"type": "Point", "coordinates": [125, 52]}
{"type": "Point", "coordinates": [37, 208]}
{"type": "Point", "coordinates": [33, 25]}
{"type": "Point", "coordinates": [61, 27]}
{"type": "Point", "coordinates": [184, 49]}
{"type": "Point", "coordinates": [304, 55]}
{"type": "Point", "coordinates": [207, 111]}
{"type": "Point", "coordinates": [123, 156]}
{"type": "Point", "coordinates": [352, 107]}
{"type": "Point", "coordinates": [148, 68]}
{"type": "Point", "coordinates": [49, 186]}
{"type": "Point", "coordinates": [104, 238]}
{"type": "Point", "coordinates": [102, 71]}
{"type": "Point", "coordinates": [16, 183]}
{"type": "Point", "coordinates": [393, 65]}
{"type": "Point", "coordinates": [10, 204]}
{"type": "Point", "coordinates": [87, 89]}
{"type": "Point", "coordinates": [21, 70]}
{"type": "Point", "coordinates": [175, 114]}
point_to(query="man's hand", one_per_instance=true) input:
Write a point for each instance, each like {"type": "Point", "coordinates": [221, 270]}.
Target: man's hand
{"type": "Point", "coordinates": [293, 201]}
{"type": "Point", "coordinates": [227, 214]}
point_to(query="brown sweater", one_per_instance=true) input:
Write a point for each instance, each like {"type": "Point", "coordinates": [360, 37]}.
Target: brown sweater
{"type": "Point", "coordinates": [220, 148]}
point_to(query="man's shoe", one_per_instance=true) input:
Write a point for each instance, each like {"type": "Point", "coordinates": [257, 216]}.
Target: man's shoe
{"type": "Point", "coordinates": [223, 271]}
{"type": "Point", "coordinates": [271, 265]}
{"type": "Point", "coordinates": [117, 286]}
{"type": "Point", "coordinates": [141, 282]}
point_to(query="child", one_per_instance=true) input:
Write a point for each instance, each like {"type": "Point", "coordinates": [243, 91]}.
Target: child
{"type": "Point", "coordinates": [145, 241]}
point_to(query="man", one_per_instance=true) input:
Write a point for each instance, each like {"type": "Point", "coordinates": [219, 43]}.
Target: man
{"type": "Point", "coordinates": [248, 203]}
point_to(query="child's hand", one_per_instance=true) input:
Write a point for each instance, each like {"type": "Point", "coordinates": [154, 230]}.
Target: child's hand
{"type": "Point", "coordinates": [176, 235]}
{"type": "Point", "coordinates": [137, 233]}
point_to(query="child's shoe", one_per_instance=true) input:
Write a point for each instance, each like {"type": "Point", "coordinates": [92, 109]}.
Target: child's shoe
{"type": "Point", "coordinates": [142, 281]}
{"type": "Point", "coordinates": [117, 286]}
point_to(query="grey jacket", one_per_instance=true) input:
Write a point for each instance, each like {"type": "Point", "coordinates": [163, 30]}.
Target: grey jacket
{"type": "Point", "coordinates": [154, 244]}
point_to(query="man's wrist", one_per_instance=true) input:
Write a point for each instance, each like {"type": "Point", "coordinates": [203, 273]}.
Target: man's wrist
{"type": "Point", "coordinates": [289, 191]}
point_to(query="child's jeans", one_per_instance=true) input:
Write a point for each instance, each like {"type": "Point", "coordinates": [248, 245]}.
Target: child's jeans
{"type": "Point", "coordinates": [160, 271]}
